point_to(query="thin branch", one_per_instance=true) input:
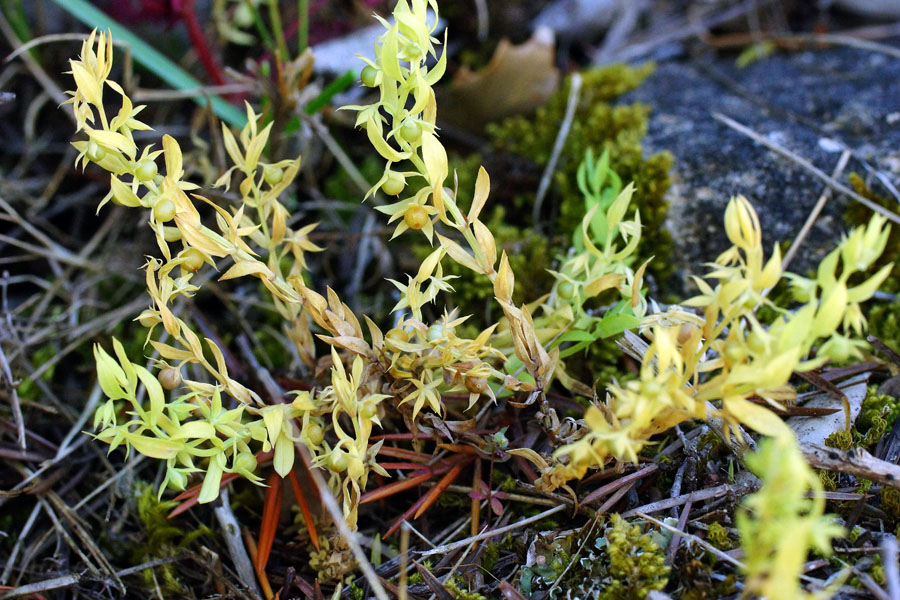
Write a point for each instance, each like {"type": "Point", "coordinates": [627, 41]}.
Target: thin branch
{"type": "Point", "coordinates": [572, 104]}
{"type": "Point", "coordinates": [806, 165]}
{"type": "Point", "coordinates": [494, 533]}
{"type": "Point", "coordinates": [814, 213]}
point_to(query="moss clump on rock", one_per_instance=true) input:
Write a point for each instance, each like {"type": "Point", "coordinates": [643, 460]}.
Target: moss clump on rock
{"type": "Point", "coordinates": [598, 125]}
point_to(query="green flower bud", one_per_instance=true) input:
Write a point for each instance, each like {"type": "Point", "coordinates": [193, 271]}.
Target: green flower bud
{"type": "Point", "coordinates": [410, 131]}
{"type": "Point", "coordinates": [369, 76]}
{"type": "Point", "coordinates": [394, 184]}
{"type": "Point", "coordinates": [95, 152]}
{"type": "Point", "coordinates": [145, 171]}
{"type": "Point", "coordinates": [272, 175]}
{"type": "Point", "coordinates": [164, 211]}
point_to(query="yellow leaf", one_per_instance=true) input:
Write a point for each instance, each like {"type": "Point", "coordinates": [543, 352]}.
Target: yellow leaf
{"type": "Point", "coordinates": [505, 280]}
{"type": "Point", "coordinates": [173, 157]}
{"type": "Point", "coordinates": [435, 157]}
{"type": "Point", "coordinates": [247, 267]}
{"type": "Point", "coordinates": [605, 282]}
{"type": "Point", "coordinates": [255, 148]}
{"type": "Point", "coordinates": [283, 460]}
{"type": "Point", "coordinates": [456, 252]}
{"type": "Point", "coordinates": [756, 417]}
{"type": "Point", "coordinates": [122, 193]}
{"type": "Point", "coordinates": [153, 447]}
{"type": "Point", "coordinates": [231, 146]}
{"type": "Point", "coordinates": [170, 352]}
{"type": "Point", "coordinates": [373, 130]}
{"type": "Point", "coordinates": [482, 190]}
{"type": "Point", "coordinates": [210, 489]}
{"type": "Point", "coordinates": [485, 240]}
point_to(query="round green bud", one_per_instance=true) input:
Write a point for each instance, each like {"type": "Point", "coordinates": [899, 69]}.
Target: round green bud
{"type": "Point", "coordinates": [193, 259]}
{"type": "Point", "coordinates": [148, 319]}
{"type": "Point", "coordinates": [314, 433]}
{"type": "Point", "coordinates": [245, 462]}
{"type": "Point", "coordinates": [145, 170]}
{"type": "Point", "coordinates": [756, 342]}
{"type": "Point", "coordinates": [164, 211]}
{"type": "Point", "coordinates": [95, 152]}
{"type": "Point", "coordinates": [272, 175]}
{"type": "Point", "coordinates": [177, 479]}
{"type": "Point", "coordinates": [171, 234]}
{"type": "Point", "coordinates": [566, 290]}
{"type": "Point", "coordinates": [368, 76]}
{"type": "Point", "coordinates": [410, 131]}
{"type": "Point", "coordinates": [394, 184]}
{"type": "Point", "coordinates": [338, 461]}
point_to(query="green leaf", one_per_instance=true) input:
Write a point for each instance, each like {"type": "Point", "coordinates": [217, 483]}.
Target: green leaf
{"type": "Point", "coordinates": [152, 59]}
{"type": "Point", "coordinates": [331, 90]}
{"type": "Point", "coordinates": [613, 324]}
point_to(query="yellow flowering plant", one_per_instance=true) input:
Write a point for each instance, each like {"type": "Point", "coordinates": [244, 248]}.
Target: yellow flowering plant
{"type": "Point", "coordinates": [711, 365]}
{"type": "Point", "coordinates": [720, 361]}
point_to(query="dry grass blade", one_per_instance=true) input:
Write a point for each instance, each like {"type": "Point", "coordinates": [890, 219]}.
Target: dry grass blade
{"type": "Point", "coordinates": [433, 582]}
{"type": "Point", "coordinates": [435, 492]}
{"type": "Point", "coordinates": [614, 485]}
{"type": "Point", "coordinates": [34, 589]}
{"type": "Point", "coordinates": [806, 165]}
{"type": "Point", "coordinates": [396, 487]}
{"type": "Point", "coordinates": [231, 532]}
{"type": "Point", "coordinates": [404, 517]}
{"type": "Point", "coordinates": [269, 524]}
{"type": "Point", "coordinates": [304, 509]}
{"type": "Point", "coordinates": [857, 462]}
{"type": "Point", "coordinates": [494, 533]}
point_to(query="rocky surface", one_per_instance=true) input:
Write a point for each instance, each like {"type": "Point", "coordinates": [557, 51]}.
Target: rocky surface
{"type": "Point", "coordinates": [811, 102]}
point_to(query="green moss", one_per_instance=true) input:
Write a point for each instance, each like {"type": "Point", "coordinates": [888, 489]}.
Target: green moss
{"type": "Point", "coordinates": [890, 502]}
{"type": "Point", "coordinates": [842, 440]}
{"type": "Point", "coordinates": [599, 126]}
{"type": "Point", "coordinates": [719, 537]}
{"type": "Point", "coordinates": [621, 561]}
{"type": "Point", "coordinates": [458, 588]}
{"type": "Point", "coordinates": [28, 389]}
{"type": "Point", "coordinates": [878, 413]}
{"type": "Point", "coordinates": [161, 538]}
{"type": "Point", "coordinates": [333, 561]}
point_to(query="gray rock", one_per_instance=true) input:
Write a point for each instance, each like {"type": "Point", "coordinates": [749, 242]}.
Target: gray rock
{"type": "Point", "coordinates": [813, 103]}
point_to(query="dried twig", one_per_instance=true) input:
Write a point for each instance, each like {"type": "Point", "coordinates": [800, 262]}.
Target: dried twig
{"type": "Point", "coordinates": [856, 462]}
{"type": "Point", "coordinates": [42, 586]}
{"type": "Point", "coordinates": [737, 489]}
{"type": "Point", "coordinates": [493, 533]}
{"type": "Point", "coordinates": [814, 213]}
{"type": "Point", "coordinates": [806, 165]}
{"type": "Point", "coordinates": [891, 568]}
{"type": "Point", "coordinates": [231, 531]}
{"type": "Point", "coordinates": [544, 185]}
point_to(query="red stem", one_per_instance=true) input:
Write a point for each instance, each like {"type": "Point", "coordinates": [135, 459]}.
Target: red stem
{"type": "Point", "coordinates": [198, 40]}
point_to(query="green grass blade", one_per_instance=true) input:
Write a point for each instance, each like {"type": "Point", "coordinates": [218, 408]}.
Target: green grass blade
{"type": "Point", "coordinates": [152, 59]}
{"type": "Point", "coordinates": [331, 90]}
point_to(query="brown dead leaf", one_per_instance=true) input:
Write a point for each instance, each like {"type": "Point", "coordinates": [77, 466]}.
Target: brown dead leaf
{"type": "Point", "coordinates": [518, 79]}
